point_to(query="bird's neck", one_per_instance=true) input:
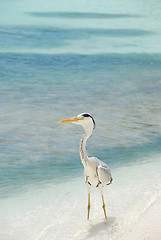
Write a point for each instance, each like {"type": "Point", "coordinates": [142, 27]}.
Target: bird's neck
{"type": "Point", "coordinates": [83, 154]}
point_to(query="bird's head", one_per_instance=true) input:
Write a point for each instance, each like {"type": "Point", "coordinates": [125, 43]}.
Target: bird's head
{"type": "Point", "coordinates": [84, 119]}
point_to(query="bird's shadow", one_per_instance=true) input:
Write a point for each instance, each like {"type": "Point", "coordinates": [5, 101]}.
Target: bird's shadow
{"type": "Point", "coordinates": [98, 228]}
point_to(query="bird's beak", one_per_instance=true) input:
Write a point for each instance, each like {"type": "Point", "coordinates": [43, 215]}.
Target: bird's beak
{"type": "Point", "coordinates": [72, 120]}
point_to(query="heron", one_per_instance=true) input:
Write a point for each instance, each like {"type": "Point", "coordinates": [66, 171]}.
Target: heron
{"type": "Point", "coordinates": [96, 172]}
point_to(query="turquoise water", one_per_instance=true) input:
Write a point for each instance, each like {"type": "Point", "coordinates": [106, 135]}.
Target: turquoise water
{"type": "Point", "coordinates": [122, 93]}
{"type": "Point", "coordinates": [61, 58]}
{"type": "Point", "coordinates": [57, 60]}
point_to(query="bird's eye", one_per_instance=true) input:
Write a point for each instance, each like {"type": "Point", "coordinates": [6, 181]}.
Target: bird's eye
{"type": "Point", "coordinates": [86, 115]}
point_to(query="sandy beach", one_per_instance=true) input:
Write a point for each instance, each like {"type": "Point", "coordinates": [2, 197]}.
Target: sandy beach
{"type": "Point", "coordinates": [133, 209]}
{"type": "Point", "coordinates": [148, 225]}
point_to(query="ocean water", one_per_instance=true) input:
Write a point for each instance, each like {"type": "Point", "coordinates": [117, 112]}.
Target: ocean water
{"type": "Point", "coordinates": [58, 59]}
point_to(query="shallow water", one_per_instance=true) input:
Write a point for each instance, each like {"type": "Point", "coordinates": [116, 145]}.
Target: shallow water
{"type": "Point", "coordinates": [56, 61]}
{"type": "Point", "coordinates": [36, 148]}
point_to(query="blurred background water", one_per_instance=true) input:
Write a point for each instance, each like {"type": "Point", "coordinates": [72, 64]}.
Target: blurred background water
{"type": "Point", "coordinates": [61, 58]}
{"type": "Point", "coordinates": [58, 59]}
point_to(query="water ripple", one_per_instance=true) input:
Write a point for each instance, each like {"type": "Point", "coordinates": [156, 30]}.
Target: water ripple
{"type": "Point", "coordinates": [75, 15]}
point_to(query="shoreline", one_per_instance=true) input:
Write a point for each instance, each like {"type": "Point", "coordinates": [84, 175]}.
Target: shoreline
{"type": "Point", "coordinates": [56, 212]}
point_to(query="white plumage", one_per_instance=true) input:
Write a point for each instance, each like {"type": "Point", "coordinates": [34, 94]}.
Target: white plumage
{"type": "Point", "coordinates": [97, 173]}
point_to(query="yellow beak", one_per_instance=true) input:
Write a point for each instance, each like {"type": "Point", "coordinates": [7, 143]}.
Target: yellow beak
{"type": "Point", "coordinates": [74, 119]}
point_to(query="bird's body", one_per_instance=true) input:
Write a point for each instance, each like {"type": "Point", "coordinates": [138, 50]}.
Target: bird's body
{"type": "Point", "coordinates": [97, 173]}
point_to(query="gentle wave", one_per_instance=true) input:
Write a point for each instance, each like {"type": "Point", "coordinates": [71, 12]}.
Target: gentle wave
{"type": "Point", "coordinates": [83, 15]}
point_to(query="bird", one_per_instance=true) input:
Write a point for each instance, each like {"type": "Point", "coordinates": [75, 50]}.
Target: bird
{"type": "Point", "coordinates": [96, 172]}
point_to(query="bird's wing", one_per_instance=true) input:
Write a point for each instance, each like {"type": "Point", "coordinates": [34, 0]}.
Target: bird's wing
{"type": "Point", "coordinates": [104, 173]}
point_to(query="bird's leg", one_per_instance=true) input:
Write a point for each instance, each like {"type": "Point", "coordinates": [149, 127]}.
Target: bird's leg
{"type": "Point", "coordinates": [89, 189]}
{"type": "Point", "coordinates": [103, 206]}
